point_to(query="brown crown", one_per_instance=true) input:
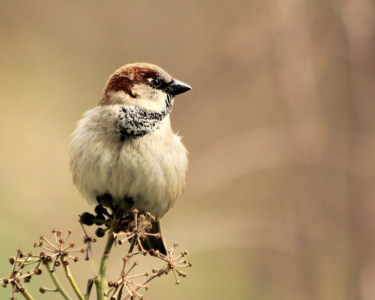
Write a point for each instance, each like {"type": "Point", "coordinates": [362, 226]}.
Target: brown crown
{"type": "Point", "coordinates": [125, 78]}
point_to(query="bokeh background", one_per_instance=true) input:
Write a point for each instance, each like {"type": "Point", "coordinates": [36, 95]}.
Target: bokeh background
{"type": "Point", "coordinates": [279, 202]}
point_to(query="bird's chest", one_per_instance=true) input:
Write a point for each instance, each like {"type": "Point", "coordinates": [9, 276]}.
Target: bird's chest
{"type": "Point", "coordinates": [150, 169]}
{"type": "Point", "coordinates": [149, 164]}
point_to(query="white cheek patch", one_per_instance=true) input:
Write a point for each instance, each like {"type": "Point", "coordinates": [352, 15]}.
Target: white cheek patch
{"type": "Point", "coordinates": [146, 98]}
{"type": "Point", "coordinates": [149, 98]}
{"type": "Point", "coordinates": [144, 91]}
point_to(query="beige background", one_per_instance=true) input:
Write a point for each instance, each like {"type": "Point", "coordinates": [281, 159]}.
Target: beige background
{"type": "Point", "coordinates": [279, 202]}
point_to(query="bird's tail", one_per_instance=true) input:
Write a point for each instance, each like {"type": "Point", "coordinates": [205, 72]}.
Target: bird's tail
{"type": "Point", "coordinates": [154, 242]}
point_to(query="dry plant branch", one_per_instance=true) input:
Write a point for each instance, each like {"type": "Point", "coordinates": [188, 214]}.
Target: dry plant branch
{"type": "Point", "coordinates": [59, 251]}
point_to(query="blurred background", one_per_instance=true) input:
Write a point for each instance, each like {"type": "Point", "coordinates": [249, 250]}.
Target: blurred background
{"type": "Point", "coordinates": [279, 202]}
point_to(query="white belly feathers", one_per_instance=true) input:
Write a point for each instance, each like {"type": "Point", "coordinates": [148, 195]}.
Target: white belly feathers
{"type": "Point", "coordinates": [149, 169]}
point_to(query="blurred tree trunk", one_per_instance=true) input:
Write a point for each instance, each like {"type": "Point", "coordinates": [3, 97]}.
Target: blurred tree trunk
{"type": "Point", "coordinates": [305, 126]}
{"type": "Point", "coordinates": [359, 21]}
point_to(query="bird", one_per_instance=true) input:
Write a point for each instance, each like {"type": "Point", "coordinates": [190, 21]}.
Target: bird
{"type": "Point", "coordinates": [124, 148]}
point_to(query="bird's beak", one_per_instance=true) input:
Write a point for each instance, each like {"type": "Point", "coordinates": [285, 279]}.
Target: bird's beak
{"type": "Point", "coordinates": [177, 87]}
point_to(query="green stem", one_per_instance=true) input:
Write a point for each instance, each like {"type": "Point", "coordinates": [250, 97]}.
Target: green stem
{"type": "Point", "coordinates": [71, 279]}
{"type": "Point", "coordinates": [90, 283]}
{"type": "Point", "coordinates": [26, 295]}
{"type": "Point", "coordinates": [58, 285]}
{"type": "Point", "coordinates": [100, 279]}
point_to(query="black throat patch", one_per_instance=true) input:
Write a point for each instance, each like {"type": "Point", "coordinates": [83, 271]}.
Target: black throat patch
{"type": "Point", "coordinates": [134, 122]}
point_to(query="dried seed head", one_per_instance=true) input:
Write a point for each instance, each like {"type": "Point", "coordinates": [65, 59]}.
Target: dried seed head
{"type": "Point", "coordinates": [87, 219]}
{"type": "Point", "coordinates": [37, 271]}
{"type": "Point", "coordinates": [100, 210]}
{"type": "Point", "coordinates": [99, 232]}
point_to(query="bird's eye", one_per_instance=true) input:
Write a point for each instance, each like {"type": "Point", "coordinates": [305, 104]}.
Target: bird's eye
{"type": "Point", "coordinates": [156, 83]}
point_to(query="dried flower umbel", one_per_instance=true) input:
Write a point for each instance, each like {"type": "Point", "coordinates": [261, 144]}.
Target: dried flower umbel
{"type": "Point", "coordinates": [59, 252]}
{"type": "Point", "coordinates": [19, 276]}
{"type": "Point", "coordinates": [123, 230]}
{"type": "Point", "coordinates": [133, 228]}
{"type": "Point", "coordinates": [130, 283]}
{"type": "Point", "coordinates": [138, 230]}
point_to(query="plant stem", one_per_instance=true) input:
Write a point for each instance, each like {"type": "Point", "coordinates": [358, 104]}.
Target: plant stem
{"type": "Point", "coordinates": [58, 285]}
{"type": "Point", "coordinates": [90, 283]}
{"type": "Point", "coordinates": [100, 279]}
{"type": "Point", "coordinates": [71, 279]}
{"type": "Point", "coordinates": [26, 295]}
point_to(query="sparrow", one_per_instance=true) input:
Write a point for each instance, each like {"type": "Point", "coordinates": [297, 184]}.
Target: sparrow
{"type": "Point", "coordinates": [125, 148]}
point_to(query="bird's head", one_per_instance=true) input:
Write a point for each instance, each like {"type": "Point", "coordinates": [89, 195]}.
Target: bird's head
{"type": "Point", "coordinates": [142, 85]}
